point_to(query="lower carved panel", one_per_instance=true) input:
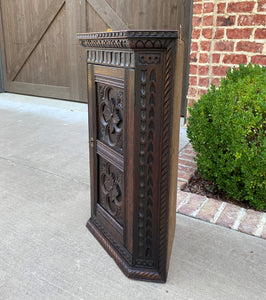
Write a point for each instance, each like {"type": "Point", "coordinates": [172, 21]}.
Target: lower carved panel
{"type": "Point", "coordinates": [110, 189]}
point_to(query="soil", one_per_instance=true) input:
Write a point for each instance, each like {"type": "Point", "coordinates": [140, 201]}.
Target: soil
{"type": "Point", "coordinates": [203, 187]}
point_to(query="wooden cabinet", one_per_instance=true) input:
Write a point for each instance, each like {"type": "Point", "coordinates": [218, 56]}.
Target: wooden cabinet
{"type": "Point", "coordinates": [134, 108]}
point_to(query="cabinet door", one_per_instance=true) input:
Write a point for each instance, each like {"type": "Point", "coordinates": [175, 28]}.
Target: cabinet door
{"type": "Point", "coordinates": [108, 120]}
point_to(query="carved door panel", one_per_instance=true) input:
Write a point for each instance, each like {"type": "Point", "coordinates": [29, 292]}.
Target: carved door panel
{"type": "Point", "coordinates": [108, 123]}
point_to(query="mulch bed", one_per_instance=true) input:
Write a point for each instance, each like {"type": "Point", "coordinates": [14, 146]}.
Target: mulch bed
{"type": "Point", "coordinates": [203, 187]}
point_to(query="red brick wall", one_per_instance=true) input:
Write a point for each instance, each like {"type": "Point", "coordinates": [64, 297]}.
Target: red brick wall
{"type": "Point", "coordinates": [225, 33]}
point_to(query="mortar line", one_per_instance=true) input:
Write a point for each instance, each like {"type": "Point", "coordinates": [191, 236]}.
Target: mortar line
{"type": "Point", "coordinates": [240, 215]}
{"type": "Point", "coordinates": [194, 214]}
{"type": "Point", "coordinates": [260, 226]}
{"type": "Point", "coordinates": [219, 212]}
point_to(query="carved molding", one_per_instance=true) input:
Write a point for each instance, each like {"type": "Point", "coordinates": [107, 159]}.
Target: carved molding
{"type": "Point", "coordinates": [128, 39]}
{"type": "Point", "coordinates": [130, 34]}
{"type": "Point", "coordinates": [111, 58]}
{"type": "Point", "coordinates": [149, 58]}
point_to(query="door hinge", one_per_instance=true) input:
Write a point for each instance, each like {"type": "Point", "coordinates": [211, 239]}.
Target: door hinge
{"type": "Point", "coordinates": [92, 142]}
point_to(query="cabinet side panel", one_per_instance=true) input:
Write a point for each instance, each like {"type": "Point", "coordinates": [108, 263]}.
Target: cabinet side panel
{"type": "Point", "coordinates": [129, 159]}
{"type": "Point", "coordinates": [178, 79]}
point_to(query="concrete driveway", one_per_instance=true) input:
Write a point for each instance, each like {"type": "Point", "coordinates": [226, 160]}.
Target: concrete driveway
{"type": "Point", "coordinates": [46, 252]}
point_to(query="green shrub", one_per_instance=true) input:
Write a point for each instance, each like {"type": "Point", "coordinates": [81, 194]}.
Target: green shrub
{"type": "Point", "coordinates": [227, 131]}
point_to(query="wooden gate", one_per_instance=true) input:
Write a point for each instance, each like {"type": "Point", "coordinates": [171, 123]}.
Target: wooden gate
{"type": "Point", "coordinates": [41, 55]}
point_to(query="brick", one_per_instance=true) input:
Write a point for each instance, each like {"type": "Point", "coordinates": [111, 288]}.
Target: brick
{"type": "Point", "coordinates": [250, 222]}
{"type": "Point", "coordinates": [208, 7]}
{"type": "Point", "coordinates": [207, 21]}
{"type": "Point", "coordinates": [190, 103]}
{"type": "Point", "coordinates": [235, 59]}
{"type": "Point", "coordinates": [203, 70]}
{"type": "Point", "coordinates": [196, 21]}
{"type": "Point", "coordinates": [216, 81]}
{"type": "Point", "coordinates": [229, 215]}
{"type": "Point", "coordinates": [181, 184]}
{"type": "Point", "coordinates": [192, 92]}
{"type": "Point", "coordinates": [193, 80]}
{"type": "Point", "coordinates": [194, 46]}
{"type": "Point", "coordinates": [246, 6]}
{"type": "Point", "coordinates": [263, 234]}
{"type": "Point", "coordinates": [224, 46]}
{"type": "Point", "coordinates": [225, 21]}
{"type": "Point", "coordinates": [261, 6]}
{"type": "Point", "coordinates": [216, 58]}
{"type": "Point", "coordinates": [207, 33]}
{"type": "Point", "coordinates": [202, 91]}
{"type": "Point", "coordinates": [259, 59]}
{"type": "Point", "coordinates": [181, 196]}
{"type": "Point", "coordinates": [204, 82]}
{"type": "Point", "coordinates": [189, 149]}
{"type": "Point", "coordinates": [186, 169]}
{"type": "Point", "coordinates": [193, 69]}
{"type": "Point", "coordinates": [209, 210]}
{"type": "Point", "coordinates": [219, 33]}
{"type": "Point", "coordinates": [187, 157]}
{"type": "Point", "coordinates": [193, 204]}
{"type": "Point", "coordinates": [197, 8]}
{"type": "Point", "coordinates": [205, 45]}
{"type": "Point", "coordinates": [204, 58]}
{"type": "Point", "coordinates": [195, 34]}
{"type": "Point", "coordinates": [187, 163]}
{"type": "Point", "coordinates": [182, 176]}
{"type": "Point", "coordinates": [193, 57]}
{"type": "Point", "coordinates": [260, 33]}
{"type": "Point", "coordinates": [249, 46]}
{"type": "Point", "coordinates": [251, 20]}
{"type": "Point", "coordinates": [189, 152]}
{"type": "Point", "coordinates": [221, 8]}
{"type": "Point", "coordinates": [236, 33]}
{"type": "Point", "coordinates": [219, 71]}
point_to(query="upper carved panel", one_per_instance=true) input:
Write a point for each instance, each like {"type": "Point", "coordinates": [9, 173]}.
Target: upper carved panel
{"type": "Point", "coordinates": [110, 116]}
{"type": "Point", "coordinates": [128, 39]}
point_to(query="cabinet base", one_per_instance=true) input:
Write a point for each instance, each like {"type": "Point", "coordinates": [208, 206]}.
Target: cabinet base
{"type": "Point", "coordinates": [129, 271]}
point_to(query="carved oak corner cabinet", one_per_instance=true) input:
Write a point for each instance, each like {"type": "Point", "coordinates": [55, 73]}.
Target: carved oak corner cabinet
{"type": "Point", "coordinates": [134, 101]}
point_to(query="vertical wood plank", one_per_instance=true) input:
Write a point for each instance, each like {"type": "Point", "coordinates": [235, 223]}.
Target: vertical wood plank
{"type": "Point", "coordinates": [76, 22]}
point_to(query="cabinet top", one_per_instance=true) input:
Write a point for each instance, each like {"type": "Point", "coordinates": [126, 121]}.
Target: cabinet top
{"type": "Point", "coordinates": [131, 39]}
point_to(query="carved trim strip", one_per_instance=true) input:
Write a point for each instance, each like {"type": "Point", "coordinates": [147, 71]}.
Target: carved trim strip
{"type": "Point", "coordinates": [149, 58]}
{"type": "Point", "coordinates": [165, 161]}
{"type": "Point", "coordinates": [147, 188]}
{"type": "Point", "coordinates": [111, 58]}
{"type": "Point", "coordinates": [126, 43]}
{"type": "Point", "coordinates": [112, 81]}
{"type": "Point", "coordinates": [110, 155]}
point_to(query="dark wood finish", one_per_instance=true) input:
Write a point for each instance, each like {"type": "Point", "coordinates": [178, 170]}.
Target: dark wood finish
{"type": "Point", "coordinates": [134, 111]}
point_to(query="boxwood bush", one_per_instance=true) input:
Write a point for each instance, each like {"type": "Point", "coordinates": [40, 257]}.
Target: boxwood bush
{"type": "Point", "coordinates": [227, 131]}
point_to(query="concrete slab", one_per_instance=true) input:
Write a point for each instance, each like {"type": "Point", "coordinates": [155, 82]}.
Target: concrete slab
{"type": "Point", "coordinates": [46, 252]}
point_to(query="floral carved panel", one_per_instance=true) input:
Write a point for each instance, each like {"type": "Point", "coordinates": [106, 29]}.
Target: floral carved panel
{"type": "Point", "coordinates": [110, 116]}
{"type": "Point", "coordinates": [110, 190]}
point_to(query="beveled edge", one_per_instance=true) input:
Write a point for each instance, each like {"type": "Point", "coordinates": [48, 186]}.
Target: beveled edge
{"type": "Point", "coordinates": [130, 272]}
